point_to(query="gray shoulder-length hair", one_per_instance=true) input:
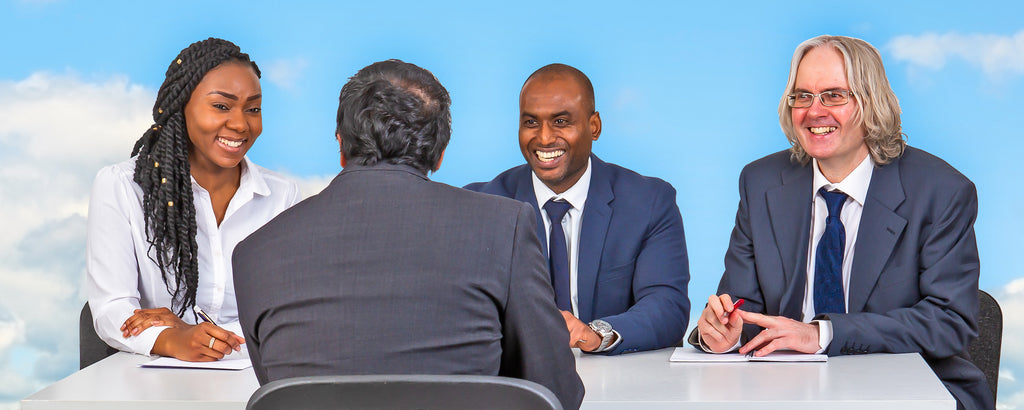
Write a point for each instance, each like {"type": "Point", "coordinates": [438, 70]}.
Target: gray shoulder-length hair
{"type": "Point", "coordinates": [878, 109]}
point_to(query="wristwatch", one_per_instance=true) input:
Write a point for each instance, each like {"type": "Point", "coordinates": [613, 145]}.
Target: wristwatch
{"type": "Point", "coordinates": [603, 329]}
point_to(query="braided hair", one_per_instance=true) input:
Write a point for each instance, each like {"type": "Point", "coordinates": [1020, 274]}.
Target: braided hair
{"type": "Point", "coordinates": [162, 169]}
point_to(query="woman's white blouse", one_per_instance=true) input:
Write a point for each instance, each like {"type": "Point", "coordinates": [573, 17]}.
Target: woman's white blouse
{"type": "Point", "coordinates": [121, 276]}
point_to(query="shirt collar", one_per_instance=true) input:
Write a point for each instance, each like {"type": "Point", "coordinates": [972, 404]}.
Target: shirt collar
{"type": "Point", "coordinates": [575, 195]}
{"type": "Point", "coordinates": [252, 176]}
{"type": "Point", "coordinates": [854, 185]}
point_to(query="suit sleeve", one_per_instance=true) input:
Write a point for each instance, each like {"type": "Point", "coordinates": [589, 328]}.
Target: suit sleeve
{"type": "Point", "coordinates": [535, 342]}
{"type": "Point", "coordinates": [660, 313]}
{"type": "Point", "coordinates": [247, 292]}
{"type": "Point", "coordinates": [943, 319]}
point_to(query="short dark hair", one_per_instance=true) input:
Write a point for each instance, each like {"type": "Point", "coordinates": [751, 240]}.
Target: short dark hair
{"type": "Point", "coordinates": [394, 112]}
{"type": "Point", "coordinates": [557, 69]}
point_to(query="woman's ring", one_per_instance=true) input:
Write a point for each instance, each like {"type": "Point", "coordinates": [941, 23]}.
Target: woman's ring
{"type": "Point", "coordinates": [212, 340]}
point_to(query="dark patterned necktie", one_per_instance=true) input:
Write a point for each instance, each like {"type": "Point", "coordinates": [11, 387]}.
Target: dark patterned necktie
{"type": "Point", "coordinates": [828, 262]}
{"type": "Point", "coordinates": [558, 255]}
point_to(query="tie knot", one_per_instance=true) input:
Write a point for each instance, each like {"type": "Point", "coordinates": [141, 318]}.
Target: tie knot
{"type": "Point", "coordinates": [556, 209]}
{"type": "Point", "coordinates": [833, 200]}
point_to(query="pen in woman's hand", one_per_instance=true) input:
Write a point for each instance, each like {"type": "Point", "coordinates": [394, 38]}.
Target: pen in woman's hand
{"type": "Point", "coordinates": [204, 316]}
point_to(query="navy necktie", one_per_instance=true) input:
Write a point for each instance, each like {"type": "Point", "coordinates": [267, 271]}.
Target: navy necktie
{"type": "Point", "coordinates": [558, 255]}
{"type": "Point", "coordinates": [828, 262]}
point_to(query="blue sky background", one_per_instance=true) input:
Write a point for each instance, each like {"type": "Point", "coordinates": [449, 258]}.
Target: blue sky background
{"type": "Point", "coordinates": [686, 92]}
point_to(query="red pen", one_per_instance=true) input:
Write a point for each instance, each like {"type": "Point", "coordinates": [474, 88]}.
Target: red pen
{"type": "Point", "coordinates": [735, 306]}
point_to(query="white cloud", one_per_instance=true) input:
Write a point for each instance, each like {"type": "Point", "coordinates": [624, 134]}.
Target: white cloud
{"type": "Point", "coordinates": [284, 73]}
{"type": "Point", "coordinates": [996, 55]}
{"type": "Point", "coordinates": [13, 387]}
{"type": "Point", "coordinates": [1010, 401]}
{"type": "Point", "coordinates": [1006, 376]}
{"type": "Point", "coordinates": [1011, 301]}
{"type": "Point", "coordinates": [12, 330]}
{"type": "Point", "coordinates": [56, 131]}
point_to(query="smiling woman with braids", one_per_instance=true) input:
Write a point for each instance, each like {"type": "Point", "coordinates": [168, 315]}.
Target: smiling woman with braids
{"type": "Point", "coordinates": [163, 224]}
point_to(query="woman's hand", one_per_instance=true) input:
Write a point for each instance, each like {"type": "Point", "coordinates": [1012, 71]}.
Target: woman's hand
{"type": "Point", "coordinates": [204, 342]}
{"type": "Point", "coordinates": [144, 318]}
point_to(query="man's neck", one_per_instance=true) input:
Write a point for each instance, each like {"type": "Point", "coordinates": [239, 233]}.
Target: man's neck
{"type": "Point", "coordinates": [837, 172]}
{"type": "Point", "coordinates": [575, 194]}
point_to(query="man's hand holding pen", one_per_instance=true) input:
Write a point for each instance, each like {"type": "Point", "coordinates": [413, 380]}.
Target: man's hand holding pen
{"type": "Point", "coordinates": [720, 324]}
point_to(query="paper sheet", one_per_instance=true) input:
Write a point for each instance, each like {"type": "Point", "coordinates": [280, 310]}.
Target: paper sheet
{"type": "Point", "coordinates": [234, 361]}
{"type": "Point", "coordinates": [691, 354]}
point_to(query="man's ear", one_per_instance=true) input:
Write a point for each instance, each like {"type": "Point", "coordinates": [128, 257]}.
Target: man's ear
{"type": "Point", "coordinates": [341, 151]}
{"type": "Point", "coordinates": [595, 125]}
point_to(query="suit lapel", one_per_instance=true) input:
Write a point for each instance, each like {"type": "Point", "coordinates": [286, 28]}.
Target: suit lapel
{"type": "Point", "coordinates": [789, 212]}
{"type": "Point", "coordinates": [597, 214]}
{"type": "Point", "coordinates": [880, 228]}
{"type": "Point", "coordinates": [524, 192]}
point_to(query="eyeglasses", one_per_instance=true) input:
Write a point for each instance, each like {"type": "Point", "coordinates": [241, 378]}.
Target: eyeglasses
{"type": "Point", "coordinates": [828, 98]}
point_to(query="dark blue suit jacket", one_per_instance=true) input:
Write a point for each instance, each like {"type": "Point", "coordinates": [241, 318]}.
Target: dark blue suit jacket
{"type": "Point", "coordinates": [914, 280]}
{"type": "Point", "coordinates": [633, 270]}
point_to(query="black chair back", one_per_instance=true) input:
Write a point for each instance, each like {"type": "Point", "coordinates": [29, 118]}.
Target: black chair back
{"type": "Point", "coordinates": [91, 348]}
{"type": "Point", "coordinates": [984, 350]}
{"type": "Point", "coordinates": [403, 392]}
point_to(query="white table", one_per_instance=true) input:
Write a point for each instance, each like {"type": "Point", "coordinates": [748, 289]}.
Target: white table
{"type": "Point", "coordinates": [636, 380]}
{"type": "Point", "coordinates": [648, 380]}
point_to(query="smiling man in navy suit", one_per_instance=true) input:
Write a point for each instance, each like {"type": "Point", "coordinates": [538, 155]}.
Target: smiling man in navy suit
{"type": "Point", "coordinates": [617, 254]}
{"type": "Point", "coordinates": [851, 242]}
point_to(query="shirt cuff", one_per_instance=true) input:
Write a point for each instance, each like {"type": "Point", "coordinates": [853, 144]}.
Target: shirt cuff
{"type": "Point", "coordinates": [705, 348]}
{"type": "Point", "coordinates": [824, 335]}
{"type": "Point", "coordinates": [143, 342]}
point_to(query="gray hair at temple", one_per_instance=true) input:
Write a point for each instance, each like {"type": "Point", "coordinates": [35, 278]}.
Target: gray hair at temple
{"type": "Point", "coordinates": [878, 109]}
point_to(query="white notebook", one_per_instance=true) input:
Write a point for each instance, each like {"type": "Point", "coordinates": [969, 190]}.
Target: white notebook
{"type": "Point", "coordinates": [691, 354]}
{"type": "Point", "coordinates": [234, 361]}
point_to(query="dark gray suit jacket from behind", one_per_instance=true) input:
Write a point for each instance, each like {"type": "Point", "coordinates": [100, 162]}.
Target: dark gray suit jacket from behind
{"type": "Point", "coordinates": [387, 272]}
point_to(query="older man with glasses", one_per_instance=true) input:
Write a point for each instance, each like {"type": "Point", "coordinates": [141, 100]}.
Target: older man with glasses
{"type": "Point", "coordinates": [850, 242]}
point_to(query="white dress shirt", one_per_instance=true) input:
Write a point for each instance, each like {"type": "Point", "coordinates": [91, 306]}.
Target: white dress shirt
{"type": "Point", "coordinates": [572, 223]}
{"type": "Point", "coordinates": [121, 274]}
{"type": "Point", "coordinates": [855, 186]}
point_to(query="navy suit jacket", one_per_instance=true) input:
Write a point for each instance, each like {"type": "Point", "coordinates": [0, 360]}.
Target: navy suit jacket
{"type": "Point", "coordinates": [633, 270]}
{"type": "Point", "coordinates": [914, 280]}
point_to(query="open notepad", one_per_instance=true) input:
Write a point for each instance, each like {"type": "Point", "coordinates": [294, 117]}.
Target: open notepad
{"type": "Point", "coordinates": [691, 354]}
{"type": "Point", "coordinates": [234, 361]}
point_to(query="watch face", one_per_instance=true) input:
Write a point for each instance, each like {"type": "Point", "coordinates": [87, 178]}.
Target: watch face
{"type": "Point", "coordinates": [601, 326]}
